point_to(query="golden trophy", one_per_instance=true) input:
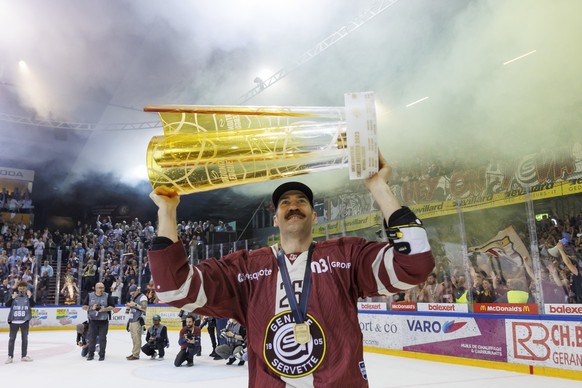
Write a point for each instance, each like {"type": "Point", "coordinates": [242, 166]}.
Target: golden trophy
{"type": "Point", "coordinates": [211, 147]}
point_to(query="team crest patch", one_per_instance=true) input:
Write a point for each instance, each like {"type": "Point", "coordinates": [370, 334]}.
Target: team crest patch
{"type": "Point", "coordinates": [284, 355]}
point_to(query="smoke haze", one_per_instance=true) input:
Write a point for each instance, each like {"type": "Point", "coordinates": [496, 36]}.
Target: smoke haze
{"type": "Point", "coordinates": [102, 62]}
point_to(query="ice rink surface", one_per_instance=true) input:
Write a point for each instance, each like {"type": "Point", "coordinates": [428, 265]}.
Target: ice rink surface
{"type": "Point", "coordinates": [57, 362]}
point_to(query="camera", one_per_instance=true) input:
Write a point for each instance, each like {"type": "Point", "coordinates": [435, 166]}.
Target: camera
{"type": "Point", "coordinates": [98, 307]}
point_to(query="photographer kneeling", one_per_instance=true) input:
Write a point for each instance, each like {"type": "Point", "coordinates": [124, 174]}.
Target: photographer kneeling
{"type": "Point", "coordinates": [235, 347]}
{"type": "Point", "coordinates": [156, 340]}
{"type": "Point", "coordinates": [189, 342]}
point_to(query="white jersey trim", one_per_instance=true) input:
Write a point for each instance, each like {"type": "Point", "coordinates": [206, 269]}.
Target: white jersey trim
{"type": "Point", "coordinates": [182, 292]}
{"type": "Point", "coordinates": [386, 257]}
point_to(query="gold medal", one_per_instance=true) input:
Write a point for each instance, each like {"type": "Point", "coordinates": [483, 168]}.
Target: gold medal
{"type": "Point", "coordinates": [301, 333]}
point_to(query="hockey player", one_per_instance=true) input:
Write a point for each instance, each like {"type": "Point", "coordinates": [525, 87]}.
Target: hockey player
{"type": "Point", "coordinates": [297, 299]}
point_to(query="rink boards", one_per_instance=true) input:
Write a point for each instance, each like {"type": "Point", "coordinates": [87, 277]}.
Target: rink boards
{"type": "Point", "coordinates": [528, 344]}
{"type": "Point", "coordinates": [535, 344]}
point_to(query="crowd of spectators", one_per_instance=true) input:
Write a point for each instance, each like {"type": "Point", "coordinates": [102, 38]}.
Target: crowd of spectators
{"type": "Point", "coordinates": [16, 201]}
{"type": "Point", "coordinates": [113, 253]}
{"type": "Point", "coordinates": [487, 281]}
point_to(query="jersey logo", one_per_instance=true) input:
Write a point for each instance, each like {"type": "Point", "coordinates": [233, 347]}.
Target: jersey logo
{"type": "Point", "coordinates": [285, 356]}
{"type": "Point", "coordinates": [324, 265]}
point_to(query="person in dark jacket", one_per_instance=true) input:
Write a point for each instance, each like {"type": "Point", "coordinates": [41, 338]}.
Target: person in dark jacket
{"type": "Point", "coordinates": [19, 317]}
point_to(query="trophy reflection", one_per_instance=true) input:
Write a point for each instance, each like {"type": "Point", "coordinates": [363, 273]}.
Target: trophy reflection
{"type": "Point", "coordinates": [211, 147]}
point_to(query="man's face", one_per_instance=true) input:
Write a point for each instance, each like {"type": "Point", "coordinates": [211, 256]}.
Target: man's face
{"type": "Point", "coordinates": [189, 322]}
{"type": "Point", "coordinates": [22, 289]}
{"type": "Point", "coordinates": [99, 289]}
{"type": "Point", "coordinates": [294, 212]}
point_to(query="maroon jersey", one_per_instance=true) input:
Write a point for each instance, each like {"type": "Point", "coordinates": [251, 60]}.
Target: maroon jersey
{"type": "Point", "coordinates": [248, 286]}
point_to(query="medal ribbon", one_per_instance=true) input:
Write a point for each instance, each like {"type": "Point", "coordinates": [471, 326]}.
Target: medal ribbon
{"type": "Point", "coordinates": [299, 312]}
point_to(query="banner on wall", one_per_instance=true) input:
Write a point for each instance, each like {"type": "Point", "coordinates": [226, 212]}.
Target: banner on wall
{"type": "Point", "coordinates": [475, 338]}
{"type": "Point", "coordinates": [69, 317]}
{"type": "Point", "coordinates": [446, 208]}
{"type": "Point", "coordinates": [563, 309]}
{"type": "Point", "coordinates": [505, 308]}
{"type": "Point", "coordinates": [381, 330]}
{"type": "Point", "coordinates": [372, 306]}
{"type": "Point", "coordinates": [403, 306]}
{"type": "Point", "coordinates": [443, 307]}
{"type": "Point", "coordinates": [556, 344]}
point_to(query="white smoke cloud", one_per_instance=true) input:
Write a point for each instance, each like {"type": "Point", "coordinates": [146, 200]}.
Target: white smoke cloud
{"type": "Point", "coordinates": [103, 62]}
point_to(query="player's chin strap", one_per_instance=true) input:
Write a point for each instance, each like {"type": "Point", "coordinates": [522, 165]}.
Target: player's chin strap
{"type": "Point", "coordinates": [406, 233]}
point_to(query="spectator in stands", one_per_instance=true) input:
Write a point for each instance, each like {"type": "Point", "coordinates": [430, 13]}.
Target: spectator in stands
{"type": "Point", "coordinates": [27, 276]}
{"type": "Point", "coordinates": [460, 292]}
{"type": "Point", "coordinates": [3, 198]}
{"type": "Point", "coordinates": [131, 272]}
{"type": "Point", "coordinates": [518, 292]}
{"type": "Point", "coordinates": [88, 279]}
{"type": "Point", "coordinates": [12, 259]}
{"type": "Point", "coordinates": [30, 262]}
{"type": "Point", "coordinates": [80, 251]}
{"type": "Point", "coordinates": [22, 251]}
{"type": "Point", "coordinates": [39, 247]}
{"type": "Point", "coordinates": [4, 291]}
{"type": "Point", "coordinates": [574, 265]}
{"type": "Point", "coordinates": [73, 264]}
{"type": "Point", "coordinates": [430, 291]}
{"type": "Point", "coordinates": [220, 227]}
{"type": "Point", "coordinates": [485, 293]}
{"type": "Point", "coordinates": [4, 266]}
{"type": "Point", "coordinates": [19, 318]}
{"type": "Point", "coordinates": [46, 267]}
{"type": "Point", "coordinates": [554, 289]}
{"type": "Point", "coordinates": [108, 280]}
{"type": "Point", "coordinates": [144, 271]}
{"type": "Point", "coordinates": [115, 268]}
{"type": "Point", "coordinates": [446, 290]}
{"type": "Point", "coordinates": [42, 288]}
{"type": "Point", "coordinates": [116, 289]}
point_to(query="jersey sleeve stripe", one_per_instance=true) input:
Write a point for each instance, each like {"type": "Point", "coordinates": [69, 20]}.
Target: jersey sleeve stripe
{"type": "Point", "coordinates": [182, 292]}
{"type": "Point", "coordinates": [387, 280]}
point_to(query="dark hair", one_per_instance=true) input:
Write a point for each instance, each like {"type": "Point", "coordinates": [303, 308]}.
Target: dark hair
{"type": "Point", "coordinates": [22, 283]}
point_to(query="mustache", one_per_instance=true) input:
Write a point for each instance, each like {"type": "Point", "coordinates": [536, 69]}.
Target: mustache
{"type": "Point", "coordinates": [294, 212]}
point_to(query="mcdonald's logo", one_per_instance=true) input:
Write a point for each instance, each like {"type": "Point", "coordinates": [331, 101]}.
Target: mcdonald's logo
{"type": "Point", "coordinates": [526, 308]}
